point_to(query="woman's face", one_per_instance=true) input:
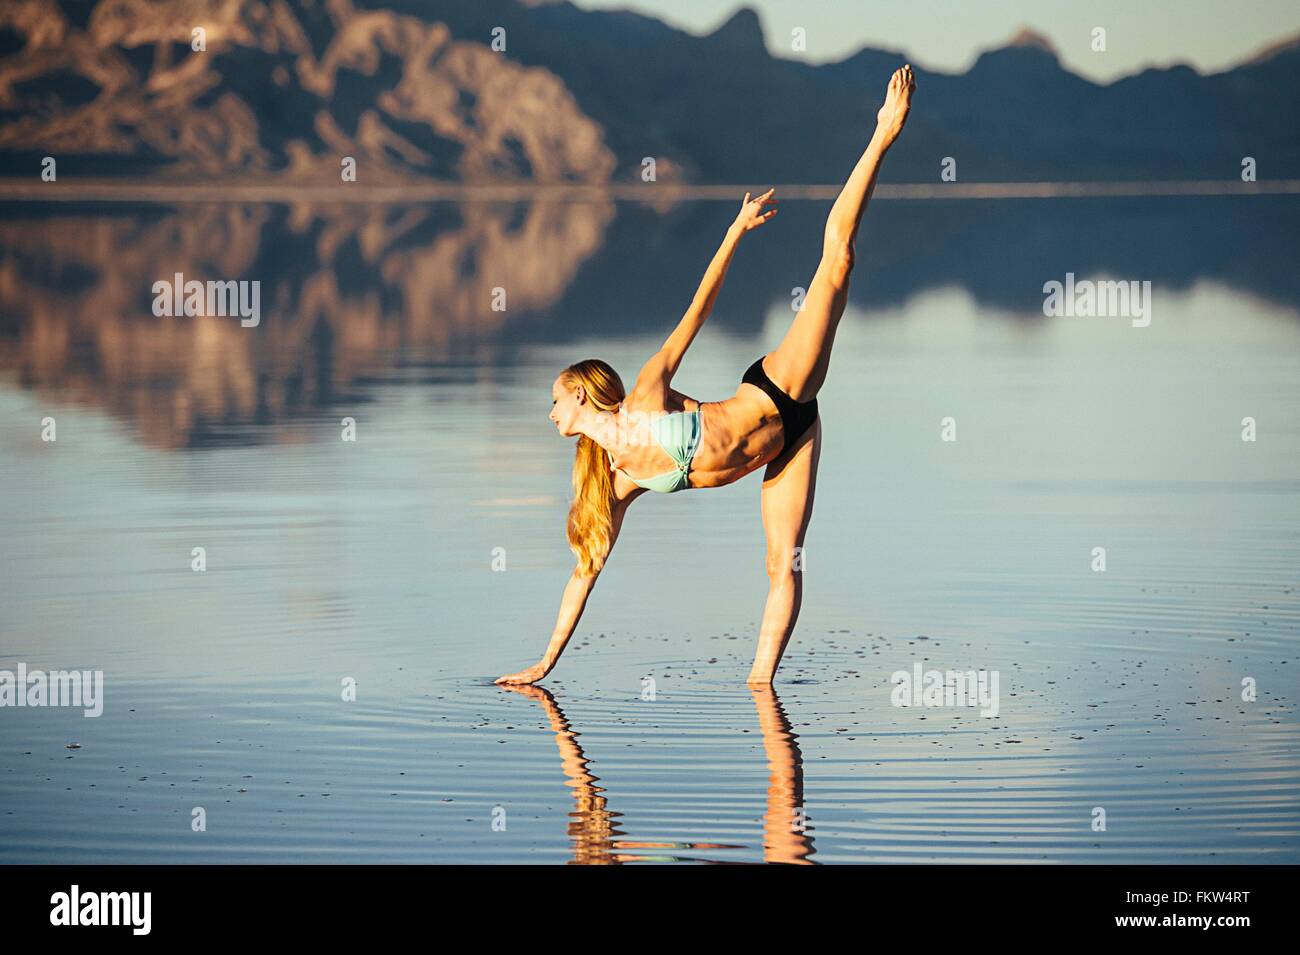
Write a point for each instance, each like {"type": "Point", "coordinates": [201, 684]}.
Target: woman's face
{"type": "Point", "coordinates": [565, 406]}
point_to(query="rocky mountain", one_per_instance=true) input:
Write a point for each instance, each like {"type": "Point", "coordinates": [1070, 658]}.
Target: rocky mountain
{"type": "Point", "coordinates": [494, 90]}
{"type": "Point", "coordinates": [277, 88]}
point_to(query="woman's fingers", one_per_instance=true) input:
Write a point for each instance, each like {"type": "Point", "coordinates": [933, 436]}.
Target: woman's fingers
{"type": "Point", "coordinates": [523, 676]}
{"type": "Point", "coordinates": [751, 207]}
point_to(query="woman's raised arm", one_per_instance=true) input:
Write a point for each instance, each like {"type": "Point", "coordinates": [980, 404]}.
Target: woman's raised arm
{"type": "Point", "coordinates": [753, 213]}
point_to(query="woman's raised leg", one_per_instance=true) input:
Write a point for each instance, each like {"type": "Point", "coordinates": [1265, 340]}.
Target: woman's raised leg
{"type": "Point", "coordinates": [798, 365]}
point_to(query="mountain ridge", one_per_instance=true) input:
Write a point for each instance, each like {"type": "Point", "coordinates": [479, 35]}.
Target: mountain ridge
{"type": "Point", "coordinates": [416, 90]}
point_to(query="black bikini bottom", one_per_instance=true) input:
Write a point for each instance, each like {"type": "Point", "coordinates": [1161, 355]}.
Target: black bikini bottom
{"type": "Point", "coordinates": [796, 416]}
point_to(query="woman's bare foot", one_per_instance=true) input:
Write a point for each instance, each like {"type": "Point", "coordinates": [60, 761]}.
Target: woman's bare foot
{"type": "Point", "coordinates": [898, 103]}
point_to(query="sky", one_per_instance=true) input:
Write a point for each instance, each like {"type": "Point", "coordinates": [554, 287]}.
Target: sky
{"type": "Point", "coordinates": [948, 35]}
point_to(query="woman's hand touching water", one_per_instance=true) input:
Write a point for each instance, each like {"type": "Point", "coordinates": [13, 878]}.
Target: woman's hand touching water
{"type": "Point", "coordinates": [752, 214]}
{"type": "Point", "coordinates": [530, 675]}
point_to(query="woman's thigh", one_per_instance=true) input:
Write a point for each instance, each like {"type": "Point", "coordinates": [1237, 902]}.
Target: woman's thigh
{"type": "Point", "coordinates": [787, 497]}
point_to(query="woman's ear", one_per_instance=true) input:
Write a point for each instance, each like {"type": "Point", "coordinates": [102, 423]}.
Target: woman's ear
{"type": "Point", "coordinates": [579, 394]}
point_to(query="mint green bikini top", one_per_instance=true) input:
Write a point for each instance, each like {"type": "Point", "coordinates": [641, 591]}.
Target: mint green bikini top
{"type": "Point", "coordinates": [679, 434]}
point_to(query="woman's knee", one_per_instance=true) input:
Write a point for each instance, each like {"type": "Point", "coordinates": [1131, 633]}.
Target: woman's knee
{"type": "Point", "coordinates": [838, 257]}
{"type": "Point", "coordinates": [784, 564]}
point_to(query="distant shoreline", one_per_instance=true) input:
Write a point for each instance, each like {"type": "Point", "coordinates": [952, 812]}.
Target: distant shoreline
{"type": "Point", "coordinates": [179, 192]}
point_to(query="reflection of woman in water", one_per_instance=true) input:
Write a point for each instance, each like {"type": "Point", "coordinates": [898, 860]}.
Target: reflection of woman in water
{"type": "Point", "coordinates": [593, 827]}
{"type": "Point", "coordinates": [677, 442]}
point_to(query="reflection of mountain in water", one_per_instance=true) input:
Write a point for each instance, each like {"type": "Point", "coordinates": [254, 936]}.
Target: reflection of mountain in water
{"type": "Point", "coordinates": [350, 291]}
{"type": "Point", "coordinates": [1000, 252]}
{"type": "Point", "coordinates": [344, 291]}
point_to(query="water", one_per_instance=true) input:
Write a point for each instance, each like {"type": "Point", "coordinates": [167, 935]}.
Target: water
{"type": "Point", "coordinates": [371, 561]}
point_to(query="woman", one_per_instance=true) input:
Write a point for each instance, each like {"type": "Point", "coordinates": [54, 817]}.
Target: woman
{"type": "Point", "coordinates": [675, 442]}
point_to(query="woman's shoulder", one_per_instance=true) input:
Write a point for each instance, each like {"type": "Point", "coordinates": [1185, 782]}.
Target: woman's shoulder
{"type": "Point", "coordinates": [645, 397]}
{"type": "Point", "coordinates": [656, 401]}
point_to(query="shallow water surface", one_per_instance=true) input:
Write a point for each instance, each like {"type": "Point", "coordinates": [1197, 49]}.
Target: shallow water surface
{"type": "Point", "coordinates": [377, 562]}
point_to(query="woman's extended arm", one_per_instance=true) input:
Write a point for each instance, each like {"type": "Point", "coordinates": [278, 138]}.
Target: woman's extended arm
{"type": "Point", "coordinates": [572, 603]}
{"type": "Point", "coordinates": [751, 216]}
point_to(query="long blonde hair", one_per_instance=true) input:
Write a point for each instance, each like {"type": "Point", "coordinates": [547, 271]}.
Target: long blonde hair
{"type": "Point", "coordinates": [591, 516]}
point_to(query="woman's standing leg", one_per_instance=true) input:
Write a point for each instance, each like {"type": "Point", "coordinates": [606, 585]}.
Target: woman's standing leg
{"type": "Point", "coordinates": [787, 501]}
{"type": "Point", "coordinates": [798, 365]}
